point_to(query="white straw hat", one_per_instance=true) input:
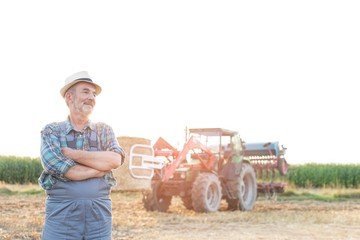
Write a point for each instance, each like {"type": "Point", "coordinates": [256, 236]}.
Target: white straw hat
{"type": "Point", "coordinates": [82, 76]}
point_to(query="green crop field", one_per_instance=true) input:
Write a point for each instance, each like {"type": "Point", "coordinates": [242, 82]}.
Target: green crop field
{"type": "Point", "coordinates": [20, 170]}
{"type": "Point", "coordinates": [325, 175]}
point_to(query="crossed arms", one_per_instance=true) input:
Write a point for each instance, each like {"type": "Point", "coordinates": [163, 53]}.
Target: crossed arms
{"type": "Point", "coordinates": [70, 164]}
{"type": "Point", "coordinates": [90, 164]}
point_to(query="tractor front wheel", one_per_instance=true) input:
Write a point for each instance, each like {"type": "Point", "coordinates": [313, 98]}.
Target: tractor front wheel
{"type": "Point", "coordinates": [155, 200]}
{"type": "Point", "coordinates": [206, 193]}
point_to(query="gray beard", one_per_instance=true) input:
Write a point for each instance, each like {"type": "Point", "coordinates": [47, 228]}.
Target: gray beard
{"type": "Point", "coordinates": [85, 109]}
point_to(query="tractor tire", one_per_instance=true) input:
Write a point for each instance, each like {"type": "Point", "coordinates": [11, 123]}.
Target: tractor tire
{"type": "Point", "coordinates": [282, 166]}
{"type": "Point", "coordinates": [206, 193]}
{"type": "Point", "coordinates": [155, 201]}
{"type": "Point", "coordinates": [245, 188]}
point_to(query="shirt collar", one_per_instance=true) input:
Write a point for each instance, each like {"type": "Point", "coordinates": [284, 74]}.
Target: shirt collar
{"type": "Point", "coordinates": [69, 126]}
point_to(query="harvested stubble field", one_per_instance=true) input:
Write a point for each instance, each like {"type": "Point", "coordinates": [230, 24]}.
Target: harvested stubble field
{"type": "Point", "coordinates": [22, 218]}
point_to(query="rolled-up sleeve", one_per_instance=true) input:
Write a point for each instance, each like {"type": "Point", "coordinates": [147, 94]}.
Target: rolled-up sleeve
{"type": "Point", "coordinates": [53, 161]}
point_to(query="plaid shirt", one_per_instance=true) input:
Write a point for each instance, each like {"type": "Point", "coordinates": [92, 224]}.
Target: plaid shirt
{"type": "Point", "coordinates": [54, 137]}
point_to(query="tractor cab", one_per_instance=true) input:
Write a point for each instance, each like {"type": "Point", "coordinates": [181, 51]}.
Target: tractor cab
{"type": "Point", "coordinates": [224, 144]}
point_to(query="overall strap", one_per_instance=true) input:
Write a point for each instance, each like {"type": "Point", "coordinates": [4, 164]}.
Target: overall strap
{"type": "Point", "coordinates": [71, 140]}
{"type": "Point", "coordinates": [93, 141]}
{"type": "Point", "coordinates": [70, 136]}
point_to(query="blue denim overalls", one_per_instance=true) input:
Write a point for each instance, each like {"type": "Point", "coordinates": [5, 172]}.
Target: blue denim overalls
{"type": "Point", "coordinates": [78, 210]}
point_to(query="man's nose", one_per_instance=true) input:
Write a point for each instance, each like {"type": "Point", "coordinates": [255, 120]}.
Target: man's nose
{"type": "Point", "coordinates": [92, 96]}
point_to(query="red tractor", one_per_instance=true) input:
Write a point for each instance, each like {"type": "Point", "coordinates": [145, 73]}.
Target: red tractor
{"type": "Point", "coordinates": [211, 166]}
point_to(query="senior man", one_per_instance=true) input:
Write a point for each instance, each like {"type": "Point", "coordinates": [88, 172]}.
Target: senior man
{"type": "Point", "coordinates": [78, 156]}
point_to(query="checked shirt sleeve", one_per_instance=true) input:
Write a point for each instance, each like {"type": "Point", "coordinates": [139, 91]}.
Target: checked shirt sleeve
{"type": "Point", "coordinates": [52, 159]}
{"type": "Point", "coordinates": [109, 141]}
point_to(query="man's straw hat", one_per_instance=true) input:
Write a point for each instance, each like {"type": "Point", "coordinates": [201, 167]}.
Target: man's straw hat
{"type": "Point", "coordinates": [76, 78]}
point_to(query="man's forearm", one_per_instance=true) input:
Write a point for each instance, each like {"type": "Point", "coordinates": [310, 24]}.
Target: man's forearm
{"type": "Point", "coordinates": [100, 160]}
{"type": "Point", "coordinates": [79, 172]}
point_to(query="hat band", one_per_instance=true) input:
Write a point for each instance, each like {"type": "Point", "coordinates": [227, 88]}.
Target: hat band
{"type": "Point", "coordinates": [84, 79]}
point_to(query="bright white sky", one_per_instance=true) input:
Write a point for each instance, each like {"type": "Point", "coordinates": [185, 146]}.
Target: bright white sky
{"type": "Point", "coordinates": [273, 70]}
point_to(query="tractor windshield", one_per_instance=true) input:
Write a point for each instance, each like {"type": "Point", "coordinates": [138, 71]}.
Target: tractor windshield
{"type": "Point", "coordinates": [217, 140]}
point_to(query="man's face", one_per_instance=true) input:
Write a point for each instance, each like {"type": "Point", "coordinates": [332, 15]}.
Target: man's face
{"type": "Point", "coordinates": [84, 98]}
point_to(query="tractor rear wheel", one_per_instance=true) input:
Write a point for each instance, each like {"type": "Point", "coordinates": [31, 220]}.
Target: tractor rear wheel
{"type": "Point", "coordinates": [155, 200]}
{"type": "Point", "coordinates": [245, 189]}
{"type": "Point", "coordinates": [206, 193]}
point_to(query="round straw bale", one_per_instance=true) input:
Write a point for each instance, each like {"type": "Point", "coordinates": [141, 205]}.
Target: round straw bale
{"type": "Point", "coordinates": [124, 179]}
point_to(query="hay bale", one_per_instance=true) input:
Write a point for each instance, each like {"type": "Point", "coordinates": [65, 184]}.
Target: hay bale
{"type": "Point", "coordinates": [122, 174]}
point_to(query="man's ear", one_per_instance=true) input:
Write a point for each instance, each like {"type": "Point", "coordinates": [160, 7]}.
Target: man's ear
{"type": "Point", "coordinates": [69, 97]}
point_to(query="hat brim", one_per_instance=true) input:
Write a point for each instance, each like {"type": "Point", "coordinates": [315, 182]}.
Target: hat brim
{"type": "Point", "coordinates": [69, 85]}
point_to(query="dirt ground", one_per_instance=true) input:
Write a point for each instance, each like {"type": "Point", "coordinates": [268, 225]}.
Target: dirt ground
{"type": "Point", "coordinates": [22, 218]}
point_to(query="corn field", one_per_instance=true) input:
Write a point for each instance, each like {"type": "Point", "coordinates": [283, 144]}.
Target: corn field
{"type": "Point", "coordinates": [19, 170]}
{"type": "Point", "coordinates": [314, 175]}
